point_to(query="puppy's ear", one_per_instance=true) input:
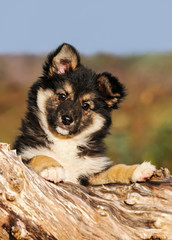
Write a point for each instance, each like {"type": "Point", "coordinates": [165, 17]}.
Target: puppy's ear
{"type": "Point", "coordinates": [62, 60]}
{"type": "Point", "coordinates": [111, 89]}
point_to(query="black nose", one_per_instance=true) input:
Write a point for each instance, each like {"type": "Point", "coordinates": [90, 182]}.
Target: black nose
{"type": "Point", "coordinates": [67, 120]}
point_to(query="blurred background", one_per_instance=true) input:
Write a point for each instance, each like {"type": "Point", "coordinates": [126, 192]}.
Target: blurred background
{"type": "Point", "coordinates": [131, 39]}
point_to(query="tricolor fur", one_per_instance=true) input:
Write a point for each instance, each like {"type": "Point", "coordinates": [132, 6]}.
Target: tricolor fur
{"type": "Point", "coordinates": [67, 119]}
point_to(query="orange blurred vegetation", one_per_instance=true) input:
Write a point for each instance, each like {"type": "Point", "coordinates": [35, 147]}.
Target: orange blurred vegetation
{"type": "Point", "coordinates": [142, 127]}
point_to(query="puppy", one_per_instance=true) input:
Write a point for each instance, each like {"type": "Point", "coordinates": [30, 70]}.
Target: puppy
{"type": "Point", "coordinates": [68, 116]}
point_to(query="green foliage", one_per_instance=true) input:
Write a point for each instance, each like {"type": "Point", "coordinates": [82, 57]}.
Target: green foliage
{"type": "Point", "coordinates": [160, 149]}
{"type": "Point", "coordinates": [119, 147]}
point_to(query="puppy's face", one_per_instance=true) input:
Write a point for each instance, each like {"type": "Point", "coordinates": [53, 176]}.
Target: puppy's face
{"type": "Point", "coordinates": [74, 99]}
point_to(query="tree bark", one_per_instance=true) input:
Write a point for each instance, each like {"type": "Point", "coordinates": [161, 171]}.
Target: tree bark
{"type": "Point", "coordinates": [33, 208]}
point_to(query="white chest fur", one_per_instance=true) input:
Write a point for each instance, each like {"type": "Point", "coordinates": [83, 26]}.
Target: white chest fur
{"type": "Point", "coordinates": [66, 153]}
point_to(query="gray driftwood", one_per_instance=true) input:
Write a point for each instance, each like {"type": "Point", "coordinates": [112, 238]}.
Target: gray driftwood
{"type": "Point", "coordinates": [32, 208]}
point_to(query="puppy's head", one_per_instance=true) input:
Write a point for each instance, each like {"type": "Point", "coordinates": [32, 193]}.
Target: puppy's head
{"type": "Point", "coordinates": [74, 100]}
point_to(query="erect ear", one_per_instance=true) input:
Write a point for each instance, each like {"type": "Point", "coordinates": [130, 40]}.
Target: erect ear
{"type": "Point", "coordinates": [62, 60]}
{"type": "Point", "coordinates": [111, 89]}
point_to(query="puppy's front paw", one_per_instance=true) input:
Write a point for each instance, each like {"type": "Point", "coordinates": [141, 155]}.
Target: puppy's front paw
{"type": "Point", "coordinates": [143, 172]}
{"type": "Point", "coordinates": [54, 174]}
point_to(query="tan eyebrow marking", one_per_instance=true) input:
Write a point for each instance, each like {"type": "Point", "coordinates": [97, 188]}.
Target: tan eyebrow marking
{"type": "Point", "coordinates": [88, 97]}
{"type": "Point", "coordinates": [68, 88]}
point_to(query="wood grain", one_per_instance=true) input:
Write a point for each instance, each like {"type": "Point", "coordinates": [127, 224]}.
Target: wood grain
{"type": "Point", "coordinates": [32, 208]}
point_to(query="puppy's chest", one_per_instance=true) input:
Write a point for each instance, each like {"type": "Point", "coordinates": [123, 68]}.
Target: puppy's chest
{"type": "Point", "coordinates": [67, 154]}
{"type": "Point", "coordinates": [65, 151]}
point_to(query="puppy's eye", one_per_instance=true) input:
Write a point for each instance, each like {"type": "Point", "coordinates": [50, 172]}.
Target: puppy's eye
{"type": "Point", "coordinates": [85, 106]}
{"type": "Point", "coordinates": [62, 96]}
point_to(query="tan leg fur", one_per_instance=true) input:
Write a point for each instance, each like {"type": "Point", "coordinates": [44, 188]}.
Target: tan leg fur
{"type": "Point", "coordinates": [41, 162]}
{"type": "Point", "coordinates": [120, 173]}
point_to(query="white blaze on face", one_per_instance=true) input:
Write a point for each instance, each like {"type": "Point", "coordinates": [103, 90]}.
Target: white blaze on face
{"type": "Point", "coordinates": [42, 97]}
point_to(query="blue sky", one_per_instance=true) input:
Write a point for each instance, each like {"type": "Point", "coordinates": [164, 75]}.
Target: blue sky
{"type": "Point", "coordinates": [113, 26]}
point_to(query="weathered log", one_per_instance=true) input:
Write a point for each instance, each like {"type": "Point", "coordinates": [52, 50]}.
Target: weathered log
{"type": "Point", "coordinates": [32, 208]}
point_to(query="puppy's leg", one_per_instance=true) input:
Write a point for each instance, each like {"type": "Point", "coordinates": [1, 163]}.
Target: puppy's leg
{"type": "Point", "coordinates": [48, 168]}
{"type": "Point", "coordinates": [122, 173]}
